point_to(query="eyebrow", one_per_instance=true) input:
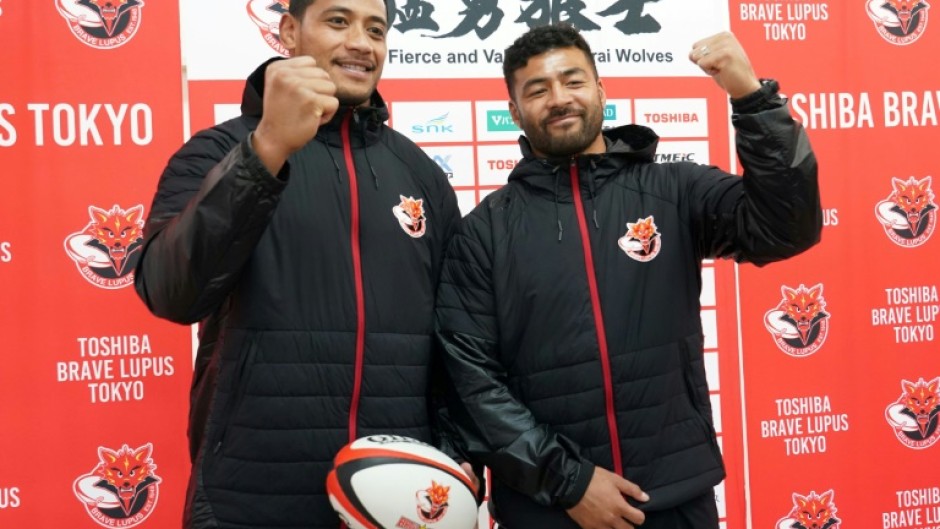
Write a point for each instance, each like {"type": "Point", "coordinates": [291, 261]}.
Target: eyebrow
{"type": "Point", "coordinates": [567, 73]}
{"type": "Point", "coordinates": [347, 11]}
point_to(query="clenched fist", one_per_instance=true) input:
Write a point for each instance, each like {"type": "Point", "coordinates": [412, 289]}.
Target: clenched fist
{"type": "Point", "coordinates": [722, 57]}
{"type": "Point", "coordinates": [298, 98]}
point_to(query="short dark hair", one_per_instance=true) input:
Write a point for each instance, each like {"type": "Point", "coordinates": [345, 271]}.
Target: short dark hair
{"type": "Point", "coordinates": [299, 7]}
{"type": "Point", "coordinates": [539, 40]}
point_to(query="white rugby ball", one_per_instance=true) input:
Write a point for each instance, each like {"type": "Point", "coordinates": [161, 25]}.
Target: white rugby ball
{"type": "Point", "coordinates": [395, 482]}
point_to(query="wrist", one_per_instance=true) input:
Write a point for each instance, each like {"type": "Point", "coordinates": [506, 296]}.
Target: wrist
{"type": "Point", "coordinates": [746, 89]}
{"type": "Point", "coordinates": [764, 98]}
{"type": "Point", "coordinates": [272, 156]}
{"type": "Point", "coordinates": [577, 487]}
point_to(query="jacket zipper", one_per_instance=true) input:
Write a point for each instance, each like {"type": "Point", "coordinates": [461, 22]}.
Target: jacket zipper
{"type": "Point", "coordinates": [598, 320]}
{"type": "Point", "coordinates": [357, 277]}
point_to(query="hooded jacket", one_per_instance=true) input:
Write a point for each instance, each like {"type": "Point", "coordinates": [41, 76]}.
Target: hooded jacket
{"type": "Point", "coordinates": [569, 309]}
{"type": "Point", "coordinates": [314, 291]}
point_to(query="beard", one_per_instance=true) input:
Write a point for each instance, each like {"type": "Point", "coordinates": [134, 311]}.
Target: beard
{"type": "Point", "coordinates": [354, 97]}
{"type": "Point", "coordinates": [569, 141]}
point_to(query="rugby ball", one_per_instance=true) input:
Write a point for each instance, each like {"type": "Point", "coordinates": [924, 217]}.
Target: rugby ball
{"type": "Point", "coordinates": [395, 482]}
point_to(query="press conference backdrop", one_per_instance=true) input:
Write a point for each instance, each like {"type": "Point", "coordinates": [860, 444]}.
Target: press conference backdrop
{"type": "Point", "coordinates": [824, 369]}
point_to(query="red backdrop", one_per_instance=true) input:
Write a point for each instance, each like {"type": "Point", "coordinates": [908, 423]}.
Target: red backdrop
{"type": "Point", "coordinates": [88, 116]}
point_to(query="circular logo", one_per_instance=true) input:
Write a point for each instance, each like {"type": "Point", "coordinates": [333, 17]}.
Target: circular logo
{"type": "Point", "coordinates": [266, 14]}
{"type": "Point", "coordinates": [102, 24]}
{"type": "Point", "coordinates": [900, 22]}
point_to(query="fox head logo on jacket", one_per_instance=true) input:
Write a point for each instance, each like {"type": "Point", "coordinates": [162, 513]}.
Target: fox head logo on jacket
{"type": "Point", "coordinates": [915, 414]}
{"type": "Point", "coordinates": [813, 511]}
{"type": "Point", "coordinates": [266, 14]}
{"type": "Point", "coordinates": [121, 491]}
{"type": "Point", "coordinates": [908, 215]}
{"type": "Point", "coordinates": [642, 241]}
{"type": "Point", "coordinates": [102, 24]}
{"type": "Point", "coordinates": [410, 215]}
{"type": "Point", "coordinates": [798, 324]}
{"type": "Point", "coordinates": [899, 22]}
{"type": "Point", "coordinates": [106, 250]}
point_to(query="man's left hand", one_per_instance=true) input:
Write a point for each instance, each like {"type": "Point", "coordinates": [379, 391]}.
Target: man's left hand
{"type": "Point", "coordinates": [471, 474]}
{"type": "Point", "coordinates": [473, 479]}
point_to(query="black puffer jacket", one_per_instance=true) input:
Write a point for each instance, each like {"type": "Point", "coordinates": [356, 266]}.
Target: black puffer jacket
{"type": "Point", "coordinates": [575, 340]}
{"type": "Point", "coordinates": [316, 305]}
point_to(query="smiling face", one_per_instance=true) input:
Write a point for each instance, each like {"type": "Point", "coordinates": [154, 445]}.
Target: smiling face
{"type": "Point", "coordinates": [558, 101]}
{"type": "Point", "coordinates": [347, 39]}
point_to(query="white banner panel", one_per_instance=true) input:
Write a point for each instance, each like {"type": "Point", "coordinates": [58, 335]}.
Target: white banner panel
{"type": "Point", "coordinates": [461, 39]}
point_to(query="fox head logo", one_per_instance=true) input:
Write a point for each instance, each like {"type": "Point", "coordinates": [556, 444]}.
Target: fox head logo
{"type": "Point", "coordinates": [643, 230]}
{"type": "Point", "coordinates": [125, 471]}
{"type": "Point", "coordinates": [799, 324]}
{"type": "Point", "coordinates": [912, 197]}
{"type": "Point", "coordinates": [802, 306]}
{"type": "Point", "coordinates": [122, 489]}
{"type": "Point", "coordinates": [915, 414]}
{"type": "Point", "coordinates": [432, 502]}
{"type": "Point", "coordinates": [905, 11]}
{"type": "Point", "coordinates": [118, 231]}
{"type": "Point", "coordinates": [266, 14]}
{"type": "Point", "coordinates": [107, 249]}
{"type": "Point", "coordinates": [812, 511]}
{"type": "Point", "coordinates": [102, 24]}
{"type": "Point", "coordinates": [108, 10]}
{"type": "Point", "coordinates": [908, 214]}
{"type": "Point", "coordinates": [410, 215]}
{"type": "Point", "coordinates": [921, 400]}
{"type": "Point", "coordinates": [642, 240]}
{"type": "Point", "coordinates": [899, 22]}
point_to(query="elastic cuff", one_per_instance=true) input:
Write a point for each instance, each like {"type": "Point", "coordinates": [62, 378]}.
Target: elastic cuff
{"type": "Point", "coordinates": [766, 97]}
{"type": "Point", "coordinates": [252, 158]}
{"type": "Point", "coordinates": [578, 487]}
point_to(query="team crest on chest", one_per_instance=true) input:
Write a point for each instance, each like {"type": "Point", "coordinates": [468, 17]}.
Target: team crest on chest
{"type": "Point", "coordinates": [642, 241]}
{"type": "Point", "coordinates": [410, 215]}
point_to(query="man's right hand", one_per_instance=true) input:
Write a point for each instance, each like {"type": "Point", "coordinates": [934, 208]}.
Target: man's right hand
{"type": "Point", "coordinates": [603, 505]}
{"type": "Point", "coordinates": [298, 98]}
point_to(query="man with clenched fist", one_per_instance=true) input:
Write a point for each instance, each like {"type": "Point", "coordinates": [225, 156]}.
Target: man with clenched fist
{"type": "Point", "coordinates": [306, 238]}
{"type": "Point", "coordinates": [591, 407]}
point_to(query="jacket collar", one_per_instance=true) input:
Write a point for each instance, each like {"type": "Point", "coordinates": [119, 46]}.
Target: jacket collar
{"type": "Point", "coordinates": [634, 141]}
{"type": "Point", "coordinates": [625, 144]}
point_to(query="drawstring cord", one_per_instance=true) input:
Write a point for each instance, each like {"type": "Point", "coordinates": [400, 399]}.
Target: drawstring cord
{"type": "Point", "coordinates": [591, 189]}
{"type": "Point", "coordinates": [557, 210]}
{"type": "Point", "coordinates": [329, 151]}
{"type": "Point", "coordinates": [365, 149]}
{"type": "Point", "coordinates": [375, 177]}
